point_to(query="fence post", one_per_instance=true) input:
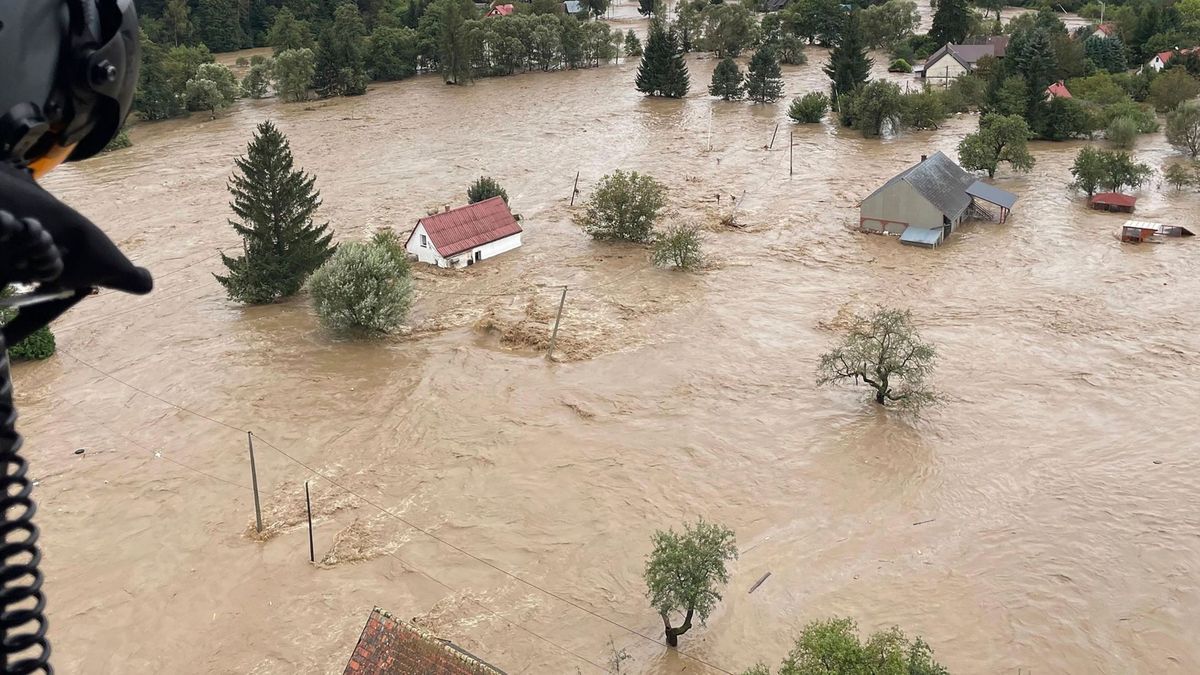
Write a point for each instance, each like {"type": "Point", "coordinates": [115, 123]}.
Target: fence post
{"type": "Point", "coordinates": [554, 334]}
{"type": "Point", "coordinates": [575, 189]}
{"type": "Point", "coordinates": [772, 145]}
{"type": "Point", "coordinates": [791, 149]}
{"type": "Point", "coordinates": [254, 482]}
{"type": "Point", "coordinates": [312, 554]}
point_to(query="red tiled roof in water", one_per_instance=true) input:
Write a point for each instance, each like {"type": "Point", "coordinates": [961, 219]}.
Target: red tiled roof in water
{"type": "Point", "coordinates": [389, 646]}
{"type": "Point", "coordinates": [466, 227]}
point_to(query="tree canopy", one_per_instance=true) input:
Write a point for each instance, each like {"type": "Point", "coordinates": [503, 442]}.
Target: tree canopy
{"type": "Point", "coordinates": [662, 71]}
{"type": "Point", "coordinates": [624, 206]}
{"type": "Point", "coordinates": [685, 571]}
{"type": "Point", "coordinates": [1001, 138]}
{"type": "Point", "coordinates": [883, 351]}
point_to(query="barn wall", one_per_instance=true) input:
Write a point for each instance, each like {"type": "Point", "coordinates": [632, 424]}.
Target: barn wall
{"type": "Point", "coordinates": [895, 207]}
{"type": "Point", "coordinates": [945, 69]}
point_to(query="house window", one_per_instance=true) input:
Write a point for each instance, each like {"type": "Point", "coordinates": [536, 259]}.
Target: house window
{"type": "Point", "coordinates": [424, 241]}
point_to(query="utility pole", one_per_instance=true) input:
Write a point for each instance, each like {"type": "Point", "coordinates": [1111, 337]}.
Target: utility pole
{"type": "Point", "coordinates": [791, 150]}
{"type": "Point", "coordinates": [554, 334]}
{"type": "Point", "coordinates": [254, 483]}
{"type": "Point", "coordinates": [312, 554]}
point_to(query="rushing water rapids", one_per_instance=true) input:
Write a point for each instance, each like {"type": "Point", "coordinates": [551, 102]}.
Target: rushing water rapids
{"type": "Point", "coordinates": [1056, 487]}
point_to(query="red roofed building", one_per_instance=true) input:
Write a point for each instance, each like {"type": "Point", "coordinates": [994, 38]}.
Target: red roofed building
{"type": "Point", "coordinates": [500, 10]}
{"type": "Point", "coordinates": [465, 235]}
{"type": "Point", "coordinates": [1105, 30]}
{"type": "Point", "coordinates": [1112, 201]}
{"type": "Point", "coordinates": [389, 646]}
{"type": "Point", "coordinates": [1160, 60]}
{"type": "Point", "coordinates": [1057, 90]}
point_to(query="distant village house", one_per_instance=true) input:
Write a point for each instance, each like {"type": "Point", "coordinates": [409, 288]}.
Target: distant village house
{"type": "Point", "coordinates": [1105, 31]}
{"type": "Point", "coordinates": [1161, 59]}
{"type": "Point", "coordinates": [953, 60]}
{"type": "Point", "coordinates": [926, 202]}
{"type": "Point", "coordinates": [1057, 90]}
{"type": "Point", "coordinates": [465, 235]}
{"type": "Point", "coordinates": [500, 10]}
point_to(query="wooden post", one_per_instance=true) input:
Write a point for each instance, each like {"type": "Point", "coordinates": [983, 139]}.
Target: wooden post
{"type": "Point", "coordinates": [312, 553]}
{"type": "Point", "coordinates": [773, 136]}
{"type": "Point", "coordinates": [575, 189]}
{"type": "Point", "coordinates": [554, 334]}
{"type": "Point", "coordinates": [254, 482]}
{"type": "Point", "coordinates": [791, 151]}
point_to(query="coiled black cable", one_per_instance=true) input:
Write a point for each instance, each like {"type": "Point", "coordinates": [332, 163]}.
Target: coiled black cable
{"type": "Point", "coordinates": [29, 255]}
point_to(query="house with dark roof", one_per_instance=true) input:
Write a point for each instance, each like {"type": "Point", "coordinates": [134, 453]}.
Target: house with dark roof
{"type": "Point", "coordinates": [465, 235]}
{"type": "Point", "coordinates": [389, 646]}
{"type": "Point", "coordinates": [953, 60]}
{"type": "Point", "coordinates": [926, 202]}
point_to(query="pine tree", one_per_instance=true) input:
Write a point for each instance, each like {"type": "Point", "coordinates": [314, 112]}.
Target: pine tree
{"type": "Point", "coordinates": [177, 22]}
{"type": "Point", "coordinates": [274, 205]}
{"type": "Point", "coordinates": [726, 80]}
{"type": "Point", "coordinates": [662, 71]}
{"type": "Point", "coordinates": [219, 24]}
{"type": "Point", "coordinates": [633, 46]}
{"type": "Point", "coordinates": [951, 22]}
{"type": "Point", "coordinates": [848, 65]}
{"type": "Point", "coordinates": [341, 54]}
{"type": "Point", "coordinates": [288, 32]}
{"type": "Point", "coordinates": [764, 82]}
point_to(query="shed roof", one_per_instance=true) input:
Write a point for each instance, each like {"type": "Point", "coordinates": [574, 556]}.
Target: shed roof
{"type": "Point", "coordinates": [1113, 199]}
{"type": "Point", "coordinates": [992, 194]}
{"type": "Point", "coordinates": [389, 646]}
{"type": "Point", "coordinates": [1143, 225]}
{"type": "Point", "coordinates": [922, 236]}
{"type": "Point", "coordinates": [940, 181]}
{"type": "Point", "coordinates": [466, 227]}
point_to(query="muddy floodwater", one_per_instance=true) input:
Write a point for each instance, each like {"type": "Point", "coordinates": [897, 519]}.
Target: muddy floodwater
{"type": "Point", "coordinates": [1044, 517]}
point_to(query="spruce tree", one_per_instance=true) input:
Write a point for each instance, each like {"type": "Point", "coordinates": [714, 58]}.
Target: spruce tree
{"type": "Point", "coordinates": [764, 82]}
{"type": "Point", "coordinates": [274, 204]}
{"type": "Point", "coordinates": [727, 80]}
{"type": "Point", "coordinates": [951, 22]}
{"type": "Point", "coordinates": [288, 32]}
{"type": "Point", "coordinates": [662, 71]}
{"type": "Point", "coordinates": [341, 54]}
{"type": "Point", "coordinates": [848, 65]}
{"type": "Point", "coordinates": [219, 25]}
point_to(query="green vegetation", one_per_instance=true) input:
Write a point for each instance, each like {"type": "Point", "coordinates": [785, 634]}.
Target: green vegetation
{"type": "Point", "coordinates": [877, 107]}
{"type": "Point", "coordinates": [212, 88]}
{"type": "Point", "coordinates": [274, 204]}
{"type": "Point", "coordinates": [1110, 170]}
{"type": "Point", "coordinates": [848, 65]}
{"type": "Point", "coordinates": [624, 206]}
{"type": "Point", "coordinates": [365, 288]}
{"type": "Point", "coordinates": [485, 187]}
{"type": "Point", "coordinates": [728, 28]}
{"type": "Point", "coordinates": [1122, 133]}
{"type": "Point", "coordinates": [883, 351]}
{"type": "Point", "coordinates": [951, 22]}
{"type": "Point", "coordinates": [662, 71]}
{"type": "Point", "coordinates": [685, 571]}
{"type": "Point", "coordinates": [1172, 87]}
{"type": "Point", "coordinates": [1001, 138]}
{"type": "Point", "coordinates": [899, 66]}
{"type": "Point", "coordinates": [810, 108]}
{"type": "Point", "coordinates": [119, 142]}
{"type": "Point", "coordinates": [288, 32]}
{"type": "Point", "coordinates": [679, 246]}
{"type": "Point", "coordinates": [257, 80]}
{"type": "Point", "coordinates": [293, 72]}
{"type": "Point", "coordinates": [1183, 128]}
{"type": "Point", "coordinates": [341, 68]}
{"type": "Point", "coordinates": [727, 80]}
{"type": "Point", "coordinates": [764, 79]}
{"type": "Point", "coordinates": [392, 53]}
{"type": "Point", "coordinates": [37, 346]}
{"type": "Point", "coordinates": [1180, 176]}
{"type": "Point", "coordinates": [924, 109]}
{"type": "Point", "coordinates": [832, 647]}
{"type": "Point", "coordinates": [633, 46]}
{"type": "Point", "coordinates": [886, 25]}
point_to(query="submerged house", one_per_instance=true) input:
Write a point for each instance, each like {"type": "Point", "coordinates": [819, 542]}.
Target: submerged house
{"type": "Point", "coordinates": [1112, 201]}
{"type": "Point", "coordinates": [953, 60]}
{"type": "Point", "coordinates": [926, 202]}
{"type": "Point", "coordinates": [1139, 231]}
{"type": "Point", "coordinates": [465, 235]}
{"type": "Point", "coordinates": [389, 646]}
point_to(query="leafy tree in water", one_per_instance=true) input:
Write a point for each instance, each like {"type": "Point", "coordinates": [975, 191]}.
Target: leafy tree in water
{"type": "Point", "coordinates": [965, 93]}
{"type": "Point", "coordinates": [729, 28]}
{"type": "Point", "coordinates": [485, 187]}
{"type": "Point", "coordinates": [624, 206]}
{"type": "Point", "coordinates": [177, 22]}
{"type": "Point", "coordinates": [341, 55]}
{"type": "Point", "coordinates": [219, 25]}
{"type": "Point", "coordinates": [1120, 171]}
{"type": "Point", "coordinates": [1061, 118]}
{"type": "Point", "coordinates": [680, 246]}
{"type": "Point", "coordinates": [1001, 138]}
{"type": "Point", "coordinates": [790, 50]}
{"type": "Point", "coordinates": [392, 53]}
{"type": "Point", "coordinates": [257, 80]}
{"type": "Point", "coordinates": [1122, 132]}
{"type": "Point", "coordinates": [887, 24]}
{"type": "Point", "coordinates": [156, 97]}
{"type": "Point", "coordinates": [1178, 176]}
{"type": "Point", "coordinates": [119, 142]}
{"type": "Point", "coordinates": [633, 46]}
{"type": "Point", "coordinates": [293, 72]}
{"type": "Point", "coordinates": [1173, 87]}
{"type": "Point", "coordinates": [288, 32]}
{"type": "Point", "coordinates": [685, 572]}
{"type": "Point", "coordinates": [1032, 56]}
{"type": "Point", "coordinates": [39, 345]}
{"type": "Point", "coordinates": [663, 71]}
{"type": "Point", "coordinates": [832, 646]}
{"type": "Point", "coordinates": [848, 65]}
{"type": "Point", "coordinates": [951, 22]}
{"type": "Point", "coordinates": [810, 108]}
{"type": "Point", "coordinates": [878, 106]}
{"type": "Point", "coordinates": [819, 21]}
{"type": "Point", "coordinates": [274, 204]}
{"type": "Point", "coordinates": [1183, 128]}
{"type": "Point", "coordinates": [727, 80]}
{"type": "Point", "coordinates": [451, 32]}
{"type": "Point", "coordinates": [365, 288]}
{"type": "Point", "coordinates": [924, 109]}
{"type": "Point", "coordinates": [764, 81]}
{"type": "Point", "coordinates": [885, 352]}
{"type": "Point", "coordinates": [1088, 170]}
{"type": "Point", "coordinates": [213, 88]}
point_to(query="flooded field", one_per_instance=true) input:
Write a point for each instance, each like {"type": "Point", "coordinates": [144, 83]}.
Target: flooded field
{"type": "Point", "coordinates": [1056, 487]}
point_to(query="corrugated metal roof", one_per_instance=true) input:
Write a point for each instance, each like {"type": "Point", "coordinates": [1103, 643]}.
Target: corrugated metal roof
{"type": "Point", "coordinates": [1114, 199]}
{"type": "Point", "coordinates": [1143, 225]}
{"type": "Point", "coordinates": [920, 236]}
{"type": "Point", "coordinates": [466, 227]}
{"type": "Point", "coordinates": [992, 194]}
{"type": "Point", "coordinates": [939, 180]}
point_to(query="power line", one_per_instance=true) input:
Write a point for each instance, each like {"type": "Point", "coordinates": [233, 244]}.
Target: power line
{"type": "Point", "coordinates": [401, 519]}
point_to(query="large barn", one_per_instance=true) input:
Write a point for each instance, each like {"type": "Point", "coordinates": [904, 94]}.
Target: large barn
{"type": "Point", "coordinates": [926, 202]}
{"type": "Point", "coordinates": [465, 235]}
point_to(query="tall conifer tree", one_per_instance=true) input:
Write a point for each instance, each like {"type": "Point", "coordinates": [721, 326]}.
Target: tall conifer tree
{"type": "Point", "coordinates": [342, 54]}
{"type": "Point", "coordinates": [663, 71]}
{"type": "Point", "coordinates": [764, 81]}
{"type": "Point", "coordinates": [848, 65]}
{"type": "Point", "coordinates": [951, 22]}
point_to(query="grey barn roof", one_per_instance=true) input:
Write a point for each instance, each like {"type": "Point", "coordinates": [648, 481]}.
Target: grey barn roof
{"type": "Point", "coordinates": [992, 195]}
{"type": "Point", "coordinates": [940, 181]}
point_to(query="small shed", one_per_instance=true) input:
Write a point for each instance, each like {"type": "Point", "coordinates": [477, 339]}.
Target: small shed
{"type": "Point", "coordinates": [1112, 201]}
{"type": "Point", "coordinates": [389, 646]}
{"type": "Point", "coordinates": [1139, 231]}
{"type": "Point", "coordinates": [465, 235]}
{"type": "Point", "coordinates": [925, 237]}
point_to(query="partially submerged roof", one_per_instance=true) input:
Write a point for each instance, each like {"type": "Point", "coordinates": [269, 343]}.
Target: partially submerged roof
{"type": "Point", "coordinates": [940, 181]}
{"type": "Point", "coordinates": [1113, 199]}
{"type": "Point", "coordinates": [466, 227]}
{"type": "Point", "coordinates": [389, 646]}
{"type": "Point", "coordinates": [1142, 225]}
{"type": "Point", "coordinates": [922, 236]}
{"type": "Point", "coordinates": [992, 194]}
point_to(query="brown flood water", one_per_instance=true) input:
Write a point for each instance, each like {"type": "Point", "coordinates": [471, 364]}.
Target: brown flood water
{"type": "Point", "coordinates": [1058, 483]}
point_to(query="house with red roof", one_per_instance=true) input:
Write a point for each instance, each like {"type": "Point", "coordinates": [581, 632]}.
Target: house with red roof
{"type": "Point", "coordinates": [465, 235]}
{"type": "Point", "coordinates": [1160, 60]}
{"type": "Point", "coordinates": [389, 646]}
{"type": "Point", "coordinates": [500, 10]}
{"type": "Point", "coordinates": [1104, 31]}
{"type": "Point", "coordinates": [1057, 90]}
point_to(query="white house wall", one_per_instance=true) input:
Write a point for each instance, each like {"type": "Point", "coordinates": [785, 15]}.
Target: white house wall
{"type": "Point", "coordinates": [943, 70]}
{"type": "Point", "coordinates": [488, 250]}
{"type": "Point", "coordinates": [426, 254]}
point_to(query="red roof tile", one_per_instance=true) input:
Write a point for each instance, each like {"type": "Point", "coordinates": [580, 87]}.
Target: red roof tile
{"type": "Point", "coordinates": [1058, 90]}
{"type": "Point", "coordinates": [1107, 28]}
{"type": "Point", "coordinates": [1113, 199]}
{"type": "Point", "coordinates": [1165, 56]}
{"type": "Point", "coordinates": [501, 10]}
{"type": "Point", "coordinates": [466, 227]}
{"type": "Point", "coordinates": [389, 646]}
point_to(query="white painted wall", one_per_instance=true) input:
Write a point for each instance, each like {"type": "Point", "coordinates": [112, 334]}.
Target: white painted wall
{"type": "Point", "coordinates": [943, 70]}
{"type": "Point", "coordinates": [429, 255]}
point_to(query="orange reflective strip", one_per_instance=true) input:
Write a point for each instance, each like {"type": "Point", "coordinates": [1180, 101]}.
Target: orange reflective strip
{"type": "Point", "coordinates": [48, 162]}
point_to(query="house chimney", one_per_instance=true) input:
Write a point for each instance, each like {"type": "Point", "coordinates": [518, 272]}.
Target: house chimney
{"type": "Point", "coordinates": [445, 208]}
{"type": "Point", "coordinates": [924, 157]}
